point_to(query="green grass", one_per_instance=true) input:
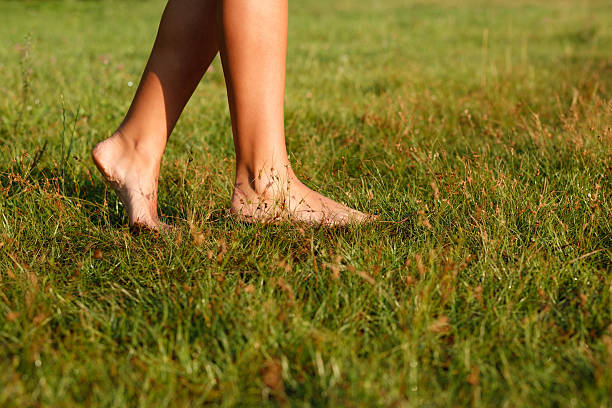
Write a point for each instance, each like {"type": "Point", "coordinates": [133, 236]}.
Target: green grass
{"type": "Point", "coordinates": [479, 131]}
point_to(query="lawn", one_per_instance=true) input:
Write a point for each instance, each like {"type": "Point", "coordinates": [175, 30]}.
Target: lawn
{"type": "Point", "coordinates": [479, 131]}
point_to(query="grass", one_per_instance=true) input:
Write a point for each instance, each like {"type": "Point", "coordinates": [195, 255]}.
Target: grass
{"type": "Point", "coordinates": [479, 131]}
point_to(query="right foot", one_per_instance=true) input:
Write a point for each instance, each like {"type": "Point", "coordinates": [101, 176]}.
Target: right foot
{"type": "Point", "coordinates": [132, 173]}
{"type": "Point", "coordinates": [282, 196]}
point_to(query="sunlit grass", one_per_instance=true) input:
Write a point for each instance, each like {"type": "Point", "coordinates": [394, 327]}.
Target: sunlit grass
{"type": "Point", "coordinates": [480, 132]}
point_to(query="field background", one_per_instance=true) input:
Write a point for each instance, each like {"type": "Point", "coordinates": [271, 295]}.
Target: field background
{"type": "Point", "coordinates": [480, 132]}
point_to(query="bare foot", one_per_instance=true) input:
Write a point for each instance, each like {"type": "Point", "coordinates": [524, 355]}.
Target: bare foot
{"type": "Point", "coordinates": [132, 172]}
{"type": "Point", "coordinates": [275, 197]}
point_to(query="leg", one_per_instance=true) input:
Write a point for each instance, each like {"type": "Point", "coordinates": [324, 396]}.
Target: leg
{"type": "Point", "coordinates": [253, 46]}
{"type": "Point", "coordinates": [130, 159]}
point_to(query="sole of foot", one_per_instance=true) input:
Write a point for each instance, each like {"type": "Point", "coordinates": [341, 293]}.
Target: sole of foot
{"type": "Point", "coordinates": [133, 177]}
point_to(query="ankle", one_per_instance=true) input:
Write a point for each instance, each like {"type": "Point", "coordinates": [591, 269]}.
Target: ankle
{"type": "Point", "coordinates": [264, 179]}
{"type": "Point", "coordinates": [145, 145]}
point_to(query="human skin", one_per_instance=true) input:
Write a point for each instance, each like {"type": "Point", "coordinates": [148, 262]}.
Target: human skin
{"type": "Point", "coordinates": [251, 37]}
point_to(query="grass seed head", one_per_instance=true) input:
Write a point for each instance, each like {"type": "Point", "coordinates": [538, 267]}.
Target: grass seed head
{"type": "Point", "coordinates": [473, 377]}
{"type": "Point", "coordinates": [440, 326]}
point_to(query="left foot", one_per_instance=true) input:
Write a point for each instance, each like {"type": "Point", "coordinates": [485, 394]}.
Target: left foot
{"type": "Point", "coordinates": [132, 173]}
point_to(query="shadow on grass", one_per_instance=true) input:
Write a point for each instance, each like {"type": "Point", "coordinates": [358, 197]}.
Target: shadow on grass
{"type": "Point", "coordinates": [24, 183]}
